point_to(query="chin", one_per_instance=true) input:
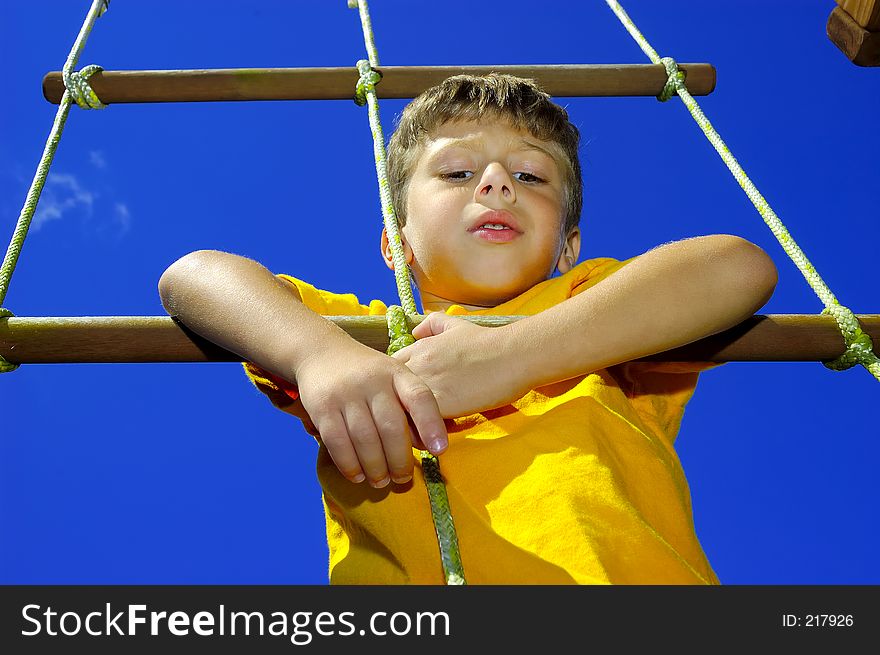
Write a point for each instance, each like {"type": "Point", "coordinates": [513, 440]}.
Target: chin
{"type": "Point", "coordinates": [489, 293]}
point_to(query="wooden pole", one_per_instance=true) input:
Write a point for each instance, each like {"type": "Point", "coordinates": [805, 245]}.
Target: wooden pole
{"type": "Point", "coordinates": [565, 80]}
{"type": "Point", "coordinates": [51, 340]}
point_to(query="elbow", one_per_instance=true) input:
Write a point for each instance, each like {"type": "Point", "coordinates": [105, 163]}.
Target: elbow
{"type": "Point", "coordinates": [770, 277]}
{"type": "Point", "coordinates": [182, 275]}
{"type": "Point", "coordinates": [751, 270]}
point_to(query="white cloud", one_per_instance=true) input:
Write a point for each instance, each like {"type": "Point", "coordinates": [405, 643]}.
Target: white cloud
{"type": "Point", "coordinates": [122, 216]}
{"type": "Point", "coordinates": [99, 214]}
{"type": "Point", "coordinates": [114, 224]}
{"type": "Point", "coordinates": [61, 194]}
{"type": "Point", "coordinates": [96, 157]}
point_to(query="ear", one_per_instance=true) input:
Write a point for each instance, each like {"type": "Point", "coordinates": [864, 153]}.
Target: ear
{"type": "Point", "coordinates": [385, 245]}
{"type": "Point", "coordinates": [570, 251]}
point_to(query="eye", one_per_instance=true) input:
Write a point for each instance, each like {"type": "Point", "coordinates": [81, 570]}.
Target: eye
{"type": "Point", "coordinates": [456, 175]}
{"type": "Point", "coordinates": [528, 178]}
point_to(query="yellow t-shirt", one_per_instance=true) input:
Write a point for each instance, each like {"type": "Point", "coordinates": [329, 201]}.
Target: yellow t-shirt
{"type": "Point", "coordinates": [576, 482]}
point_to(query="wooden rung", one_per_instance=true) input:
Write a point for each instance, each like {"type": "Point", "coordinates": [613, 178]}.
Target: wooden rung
{"type": "Point", "coordinates": [50, 340]}
{"type": "Point", "coordinates": [564, 80]}
{"type": "Point", "coordinates": [859, 45]}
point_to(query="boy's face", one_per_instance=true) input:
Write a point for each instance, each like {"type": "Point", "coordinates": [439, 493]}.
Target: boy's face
{"type": "Point", "coordinates": [484, 216]}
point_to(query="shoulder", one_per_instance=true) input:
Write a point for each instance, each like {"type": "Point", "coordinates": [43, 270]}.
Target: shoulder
{"type": "Point", "coordinates": [289, 284]}
{"type": "Point", "coordinates": [592, 271]}
{"type": "Point", "coordinates": [330, 303]}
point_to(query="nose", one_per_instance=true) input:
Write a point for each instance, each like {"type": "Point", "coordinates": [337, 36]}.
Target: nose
{"type": "Point", "coordinates": [496, 182]}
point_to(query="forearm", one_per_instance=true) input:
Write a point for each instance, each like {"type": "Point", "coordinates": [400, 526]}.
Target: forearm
{"type": "Point", "coordinates": [668, 297]}
{"type": "Point", "coordinates": [240, 305]}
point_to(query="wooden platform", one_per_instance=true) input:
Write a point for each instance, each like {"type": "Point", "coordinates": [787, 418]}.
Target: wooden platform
{"type": "Point", "coordinates": [854, 27]}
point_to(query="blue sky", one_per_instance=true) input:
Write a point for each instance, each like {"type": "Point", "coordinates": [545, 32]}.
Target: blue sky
{"type": "Point", "coordinates": [184, 474]}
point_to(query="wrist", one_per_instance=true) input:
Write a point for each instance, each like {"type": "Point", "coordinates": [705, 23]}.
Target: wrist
{"type": "Point", "coordinates": [518, 359]}
{"type": "Point", "coordinates": [335, 345]}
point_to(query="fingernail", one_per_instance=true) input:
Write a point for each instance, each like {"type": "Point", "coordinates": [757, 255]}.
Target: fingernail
{"type": "Point", "coordinates": [360, 477]}
{"type": "Point", "coordinates": [403, 480]}
{"type": "Point", "coordinates": [384, 482]}
{"type": "Point", "coordinates": [437, 445]}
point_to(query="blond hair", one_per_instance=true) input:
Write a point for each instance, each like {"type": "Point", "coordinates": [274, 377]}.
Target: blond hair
{"type": "Point", "coordinates": [519, 101]}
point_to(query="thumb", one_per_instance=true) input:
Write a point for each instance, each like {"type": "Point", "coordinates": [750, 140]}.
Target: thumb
{"type": "Point", "coordinates": [436, 323]}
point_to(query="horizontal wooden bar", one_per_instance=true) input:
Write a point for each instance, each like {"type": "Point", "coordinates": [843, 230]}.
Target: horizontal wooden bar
{"type": "Point", "coordinates": [104, 339]}
{"type": "Point", "coordinates": [564, 80]}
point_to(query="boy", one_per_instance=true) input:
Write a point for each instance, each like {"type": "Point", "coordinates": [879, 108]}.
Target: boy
{"type": "Point", "coordinates": [557, 451]}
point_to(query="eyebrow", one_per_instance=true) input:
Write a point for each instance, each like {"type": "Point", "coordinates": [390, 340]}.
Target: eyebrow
{"type": "Point", "coordinates": [474, 145]}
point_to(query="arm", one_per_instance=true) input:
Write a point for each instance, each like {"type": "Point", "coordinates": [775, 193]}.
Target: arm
{"type": "Point", "coordinates": [238, 304]}
{"type": "Point", "coordinates": [667, 297]}
{"type": "Point", "coordinates": [357, 398]}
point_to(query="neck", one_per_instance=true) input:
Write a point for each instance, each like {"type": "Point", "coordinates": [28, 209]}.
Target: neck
{"type": "Point", "coordinates": [432, 303]}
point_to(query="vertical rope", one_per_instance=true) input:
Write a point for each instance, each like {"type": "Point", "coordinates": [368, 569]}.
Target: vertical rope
{"type": "Point", "coordinates": [366, 93]}
{"type": "Point", "coordinates": [367, 27]}
{"type": "Point", "coordinates": [859, 348]}
{"type": "Point", "coordinates": [79, 91]}
{"type": "Point", "coordinates": [447, 539]}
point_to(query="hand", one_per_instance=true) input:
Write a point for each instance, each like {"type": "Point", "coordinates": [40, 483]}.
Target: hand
{"type": "Point", "coordinates": [469, 368]}
{"type": "Point", "coordinates": [360, 401]}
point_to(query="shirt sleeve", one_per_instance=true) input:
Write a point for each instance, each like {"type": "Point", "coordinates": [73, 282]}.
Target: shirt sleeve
{"type": "Point", "coordinates": [658, 391]}
{"type": "Point", "coordinates": [279, 391]}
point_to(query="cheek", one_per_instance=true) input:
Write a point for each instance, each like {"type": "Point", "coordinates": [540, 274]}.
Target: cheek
{"type": "Point", "coordinates": [432, 214]}
{"type": "Point", "coordinates": [553, 214]}
{"type": "Point", "coordinates": [419, 207]}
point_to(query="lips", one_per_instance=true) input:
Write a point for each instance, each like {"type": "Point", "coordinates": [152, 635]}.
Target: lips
{"type": "Point", "coordinates": [508, 231]}
{"type": "Point", "coordinates": [496, 217]}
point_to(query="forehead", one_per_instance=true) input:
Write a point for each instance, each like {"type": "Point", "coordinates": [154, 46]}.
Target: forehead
{"type": "Point", "coordinates": [482, 136]}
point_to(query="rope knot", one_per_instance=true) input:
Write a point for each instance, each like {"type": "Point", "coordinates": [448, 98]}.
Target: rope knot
{"type": "Point", "coordinates": [367, 82]}
{"type": "Point", "coordinates": [77, 85]}
{"type": "Point", "coordinates": [398, 329]}
{"type": "Point", "coordinates": [6, 367]}
{"type": "Point", "coordinates": [859, 347]}
{"type": "Point", "coordinates": [674, 80]}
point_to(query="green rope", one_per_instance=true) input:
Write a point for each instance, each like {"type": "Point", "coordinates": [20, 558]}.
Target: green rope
{"type": "Point", "coordinates": [399, 336]}
{"type": "Point", "coordinates": [79, 91]}
{"type": "Point", "coordinates": [444, 526]}
{"type": "Point", "coordinates": [365, 93]}
{"type": "Point", "coordinates": [367, 26]}
{"type": "Point", "coordinates": [859, 348]}
{"type": "Point", "coordinates": [5, 366]}
{"type": "Point", "coordinates": [366, 85]}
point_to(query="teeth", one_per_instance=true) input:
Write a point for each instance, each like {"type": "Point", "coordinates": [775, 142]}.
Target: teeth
{"type": "Point", "coordinates": [494, 226]}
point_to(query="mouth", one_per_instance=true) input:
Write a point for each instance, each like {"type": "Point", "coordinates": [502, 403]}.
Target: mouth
{"type": "Point", "coordinates": [495, 226]}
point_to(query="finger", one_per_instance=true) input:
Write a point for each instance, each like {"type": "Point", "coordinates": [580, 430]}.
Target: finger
{"type": "Point", "coordinates": [403, 354]}
{"type": "Point", "coordinates": [334, 436]}
{"type": "Point", "coordinates": [421, 405]}
{"type": "Point", "coordinates": [394, 432]}
{"type": "Point", "coordinates": [417, 442]}
{"type": "Point", "coordinates": [436, 323]}
{"type": "Point", "coordinates": [430, 327]}
{"type": "Point", "coordinates": [365, 439]}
